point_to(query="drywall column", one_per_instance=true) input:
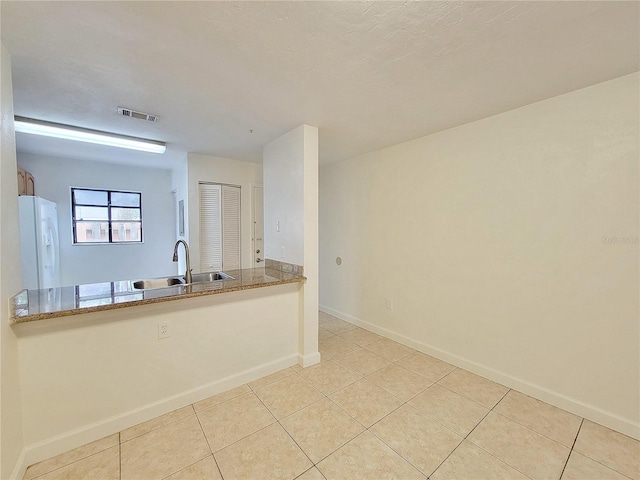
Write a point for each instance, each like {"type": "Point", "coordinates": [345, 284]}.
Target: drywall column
{"type": "Point", "coordinates": [11, 438]}
{"type": "Point", "coordinates": [290, 174]}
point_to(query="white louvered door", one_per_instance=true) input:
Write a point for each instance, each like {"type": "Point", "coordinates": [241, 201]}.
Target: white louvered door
{"type": "Point", "coordinates": [219, 227]}
{"type": "Point", "coordinates": [210, 227]}
{"type": "Point", "coordinates": [230, 228]}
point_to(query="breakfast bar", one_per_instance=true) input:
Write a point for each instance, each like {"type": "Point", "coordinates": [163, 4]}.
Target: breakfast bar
{"type": "Point", "coordinates": [34, 305]}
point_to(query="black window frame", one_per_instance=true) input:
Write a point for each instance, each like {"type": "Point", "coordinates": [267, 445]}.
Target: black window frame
{"type": "Point", "coordinates": [109, 220]}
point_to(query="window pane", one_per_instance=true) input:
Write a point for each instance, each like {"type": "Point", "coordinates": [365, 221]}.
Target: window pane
{"type": "Point", "coordinates": [92, 232]}
{"type": "Point", "coordinates": [126, 232]}
{"type": "Point", "coordinates": [125, 213]}
{"type": "Point", "coordinates": [104, 216]}
{"type": "Point", "coordinates": [90, 197]}
{"type": "Point", "coordinates": [121, 199]}
{"type": "Point", "coordinates": [92, 213]}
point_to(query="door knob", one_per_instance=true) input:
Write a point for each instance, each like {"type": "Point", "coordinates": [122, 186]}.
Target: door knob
{"type": "Point", "coordinates": [258, 260]}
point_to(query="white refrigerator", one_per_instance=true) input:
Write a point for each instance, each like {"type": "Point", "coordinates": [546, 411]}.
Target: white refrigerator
{"type": "Point", "coordinates": [39, 245]}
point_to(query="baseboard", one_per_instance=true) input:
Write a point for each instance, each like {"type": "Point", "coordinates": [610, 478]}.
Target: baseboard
{"type": "Point", "coordinates": [590, 412]}
{"type": "Point", "coordinates": [309, 360]}
{"type": "Point", "coordinates": [20, 467]}
{"type": "Point", "coordinates": [88, 433]}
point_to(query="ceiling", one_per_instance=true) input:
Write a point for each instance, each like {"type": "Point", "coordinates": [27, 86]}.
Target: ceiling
{"type": "Point", "coordinates": [368, 74]}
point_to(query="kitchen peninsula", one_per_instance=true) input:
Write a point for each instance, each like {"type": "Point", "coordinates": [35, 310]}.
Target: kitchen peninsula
{"type": "Point", "coordinates": [34, 305]}
{"type": "Point", "coordinates": [96, 359]}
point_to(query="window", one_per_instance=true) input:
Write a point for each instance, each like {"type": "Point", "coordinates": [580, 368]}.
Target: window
{"type": "Point", "coordinates": [106, 216]}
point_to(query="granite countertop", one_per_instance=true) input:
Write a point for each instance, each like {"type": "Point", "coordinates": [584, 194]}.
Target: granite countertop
{"type": "Point", "coordinates": [33, 305]}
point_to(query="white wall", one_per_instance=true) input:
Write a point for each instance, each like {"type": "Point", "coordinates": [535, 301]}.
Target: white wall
{"type": "Point", "coordinates": [290, 166]}
{"type": "Point", "coordinates": [102, 263]}
{"type": "Point", "coordinates": [91, 375]}
{"type": "Point", "coordinates": [180, 186]}
{"type": "Point", "coordinates": [508, 246]}
{"type": "Point", "coordinates": [204, 168]}
{"type": "Point", "coordinates": [11, 437]}
{"type": "Point", "coordinates": [283, 164]}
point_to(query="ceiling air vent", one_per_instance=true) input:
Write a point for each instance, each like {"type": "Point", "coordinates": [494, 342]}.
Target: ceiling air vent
{"type": "Point", "coordinates": [127, 112]}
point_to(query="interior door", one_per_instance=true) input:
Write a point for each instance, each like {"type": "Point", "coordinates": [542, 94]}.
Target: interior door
{"type": "Point", "coordinates": [258, 226]}
{"type": "Point", "coordinates": [210, 227]}
{"type": "Point", "coordinates": [219, 227]}
{"type": "Point", "coordinates": [231, 228]}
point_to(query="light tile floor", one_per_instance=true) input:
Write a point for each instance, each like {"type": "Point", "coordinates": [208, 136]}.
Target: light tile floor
{"type": "Point", "coordinates": [373, 409]}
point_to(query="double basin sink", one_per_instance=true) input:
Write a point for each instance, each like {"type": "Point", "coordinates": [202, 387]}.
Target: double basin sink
{"type": "Point", "coordinates": [153, 283]}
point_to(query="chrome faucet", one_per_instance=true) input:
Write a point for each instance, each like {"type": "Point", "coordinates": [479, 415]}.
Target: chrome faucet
{"type": "Point", "coordinates": [187, 276]}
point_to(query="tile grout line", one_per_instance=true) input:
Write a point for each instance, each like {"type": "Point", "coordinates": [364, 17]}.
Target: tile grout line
{"type": "Point", "coordinates": [535, 431]}
{"type": "Point", "coordinates": [75, 461]}
{"type": "Point", "coordinates": [368, 429]}
{"type": "Point", "coordinates": [190, 465]}
{"type": "Point", "coordinates": [193, 405]}
{"type": "Point", "coordinates": [170, 423]}
{"type": "Point", "coordinates": [253, 389]}
{"type": "Point", "coordinates": [524, 426]}
{"type": "Point", "coordinates": [158, 427]}
{"type": "Point", "coordinates": [471, 399]}
{"type": "Point", "coordinates": [326, 396]}
{"type": "Point", "coordinates": [313, 464]}
{"type": "Point", "coordinates": [203, 433]}
{"type": "Point", "coordinates": [590, 458]}
{"type": "Point", "coordinates": [406, 402]}
{"type": "Point", "coordinates": [492, 409]}
{"type": "Point", "coordinates": [566, 462]}
{"type": "Point", "coordinates": [484, 450]}
{"type": "Point", "coordinates": [467, 436]}
{"type": "Point", "coordinates": [478, 446]}
{"type": "Point", "coordinates": [119, 455]}
{"type": "Point", "coordinates": [205, 436]}
{"type": "Point", "coordinates": [310, 468]}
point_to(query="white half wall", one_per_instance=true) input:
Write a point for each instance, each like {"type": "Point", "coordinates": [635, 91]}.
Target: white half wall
{"type": "Point", "coordinates": [81, 264]}
{"type": "Point", "coordinates": [91, 375]}
{"type": "Point", "coordinates": [204, 168]}
{"type": "Point", "coordinates": [11, 436]}
{"type": "Point", "coordinates": [508, 246]}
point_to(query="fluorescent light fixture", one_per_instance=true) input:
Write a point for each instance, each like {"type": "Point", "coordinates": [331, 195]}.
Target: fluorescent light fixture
{"type": "Point", "coordinates": [68, 132]}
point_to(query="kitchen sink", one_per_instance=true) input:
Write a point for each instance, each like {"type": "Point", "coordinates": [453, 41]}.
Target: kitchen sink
{"type": "Point", "coordinates": [156, 283]}
{"type": "Point", "coordinates": [153, 283]}
{"type": "Point", "coordinates": [209, 277]}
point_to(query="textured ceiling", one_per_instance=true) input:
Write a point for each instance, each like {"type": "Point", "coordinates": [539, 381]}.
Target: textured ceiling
{"type": "Point", "coordinates": [368, 74]}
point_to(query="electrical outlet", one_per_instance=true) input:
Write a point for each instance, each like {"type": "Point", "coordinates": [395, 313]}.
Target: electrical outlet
{"type": "Point", "coordinates": [163, 329]}
{"type": "Point", "coordinates": [282, 252]}
{"type": "Point", "coordinates": [389, 304]}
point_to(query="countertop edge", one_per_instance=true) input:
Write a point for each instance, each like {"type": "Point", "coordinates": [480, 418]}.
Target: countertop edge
{"type": "Point", "coordinates": [20, 319]}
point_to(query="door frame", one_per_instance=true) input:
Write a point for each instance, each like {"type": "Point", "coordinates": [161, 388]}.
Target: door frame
{"type": "Point", "coordinates": [254, 247]}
